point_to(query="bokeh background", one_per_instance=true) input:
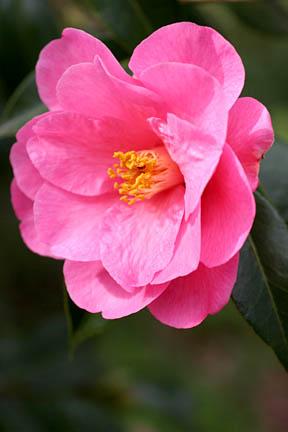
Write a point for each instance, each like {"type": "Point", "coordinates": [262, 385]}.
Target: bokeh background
{"type": "Point", "coordinates": [62, 370]}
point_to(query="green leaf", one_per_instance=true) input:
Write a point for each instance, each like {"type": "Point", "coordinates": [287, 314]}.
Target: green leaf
{"type": "Point", "coordinates": [81, 324]}
{"type": "Point", "coordinates": [22, 105]}
{"type": "Point", "coordinates": [261, 291]}
{"type": "Point", "coordinates": [273, 175]}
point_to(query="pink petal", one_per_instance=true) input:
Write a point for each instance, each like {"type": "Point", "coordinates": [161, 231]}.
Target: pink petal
{"type": "Point", "coordinates": [188, 300]}
{"type": "Point", "coordinates": [23, 208]}
{"type": "Point", "coordinates": [71, 152]}
{"type": "Point", "coordinates": [190, 43]}
{"type": "Point", "coordinates": [75, 46]}
{"type": "Point", "coordinates": [250, 134]}
{"type": "Point", "coordinates": [26, 132]}
{"type": "Point", "coordinates": [190, 93]}
{"type": "Point", "coordinates": [187, 250]}
{"type": "Point", "coordinates": [138, 241]}
{"type": "Point", "coordinates": [22, 205]}
{"type": "Point", "coordinates": [91, 288]}
{"type": "Point", "coordinates": [196, 152]}
{"type": "Point", "coordinates": [228, 211]}
{"type": "Point", "coordinates": [70, 224]}
{"type": "Point", "coordinates": [90, 90]}
{"type": "Point", "coordinates": [28, 178]}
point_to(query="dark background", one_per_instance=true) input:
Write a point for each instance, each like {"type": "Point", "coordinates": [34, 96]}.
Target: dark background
{"type": "Point", "coordinates": [64, 371]}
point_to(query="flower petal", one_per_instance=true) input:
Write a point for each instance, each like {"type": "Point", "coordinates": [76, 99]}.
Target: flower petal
{"type": "Point", "coordinates": [75, 46]}
{"type": "Point", "coordinates": [28, 178]}
{"type": "Point", "coordinates": [188, 300]}
{"type": "Point", "coordinates": [90, 90]}
{"type": "Point", "coordinates": [190, 93]}
{"type": "Point", "coordinates": [187, 250]}
{"type": "Point", "coordinates": [70, 224]}
{"type": "Point", "coordinates": [71, 152]}
{"type": "Point", "coordinates": [23, 208]}
{"type": "Point", "coordinates": [22, 205]}
{"type": "Point", "coordinates": [74, 152]}
{"type": "Point", "coordinates": [250, 134]}
{"type": "Point", "coordinates": [196, 152]}
{"type": "Point", "coordinates": [91, 287]}
{"type": "Point", "coordinates": [190, 43]}
{"type": "Point", "coordinates": [138, 241]}
{"type": "Point", "coordinates": [228, 211]}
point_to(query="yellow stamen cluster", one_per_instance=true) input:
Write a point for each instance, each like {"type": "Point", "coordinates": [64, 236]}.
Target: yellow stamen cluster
{"type": "Point", "coordinates": [137, 170]}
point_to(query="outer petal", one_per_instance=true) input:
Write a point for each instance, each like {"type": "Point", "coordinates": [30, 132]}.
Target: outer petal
{"type": "Point", "coordinates": [71, 152]}
{"type": "Point", "coordinates": [74, 152]}
{"type": "Point", "coordinates": [91, 288]}
{"type": "Point", "coordinates": [196, 152]}
{"type": "Point", "coordinates": [70, 224]}
{"type": "Point", "coordinates": [28, 178]}
{"type": "Point", "coordinates": [189, 43]}
{"type": "Point", "coordinates": [191, 93]}
{"type": "Point", "coordinates": [188, 300]}
{"type": "Point", "coordinates": [75, 46]}
{"type": "Point", "coordinates": [90, 90]}
{"type": "Point", "coordinates": [22, 205]}
{"type": "Point", "coordinates": [187, 250]}
{"type": "Point", "coordinates": [23, 208]}
{"type": "Point", "coordinates": [228, 211]}
{"type": "Point", "coordinates": [250, 134]}
{"type": "Point", "coordinates": [138, 241]}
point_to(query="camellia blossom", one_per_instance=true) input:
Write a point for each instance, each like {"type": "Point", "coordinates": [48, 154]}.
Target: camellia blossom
{"type": "Point", "coordinates": [143, 184]}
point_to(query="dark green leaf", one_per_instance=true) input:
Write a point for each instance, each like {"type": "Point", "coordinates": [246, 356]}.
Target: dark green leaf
{"type": "Point", "coordinates": [274, 176]}
{"type": "Point", "coordinates": [261, 291]}
{"type": "Point", "coordinates": [81, 324]}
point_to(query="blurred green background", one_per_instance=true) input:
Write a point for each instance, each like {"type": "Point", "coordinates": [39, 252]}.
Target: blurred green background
{"type": "Point", "coordinates": [73, 372]}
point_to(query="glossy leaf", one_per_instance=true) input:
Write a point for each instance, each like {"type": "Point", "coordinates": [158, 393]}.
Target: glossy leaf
{"type": "Point", "coordinates": [274, 177]}
{"type": "Point", "coordinates": [261, 291]}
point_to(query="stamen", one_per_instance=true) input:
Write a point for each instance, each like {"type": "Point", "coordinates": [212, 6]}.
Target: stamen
{"type": "Point", "coordinates": [145, 173]}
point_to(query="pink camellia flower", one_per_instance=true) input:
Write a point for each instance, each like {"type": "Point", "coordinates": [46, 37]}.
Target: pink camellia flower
{"type": "Point", "coordinates": [143, 184]}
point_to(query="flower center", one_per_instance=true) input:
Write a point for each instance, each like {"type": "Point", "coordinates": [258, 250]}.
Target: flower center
{"type": "Point", "coordinates": [144, 173]}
